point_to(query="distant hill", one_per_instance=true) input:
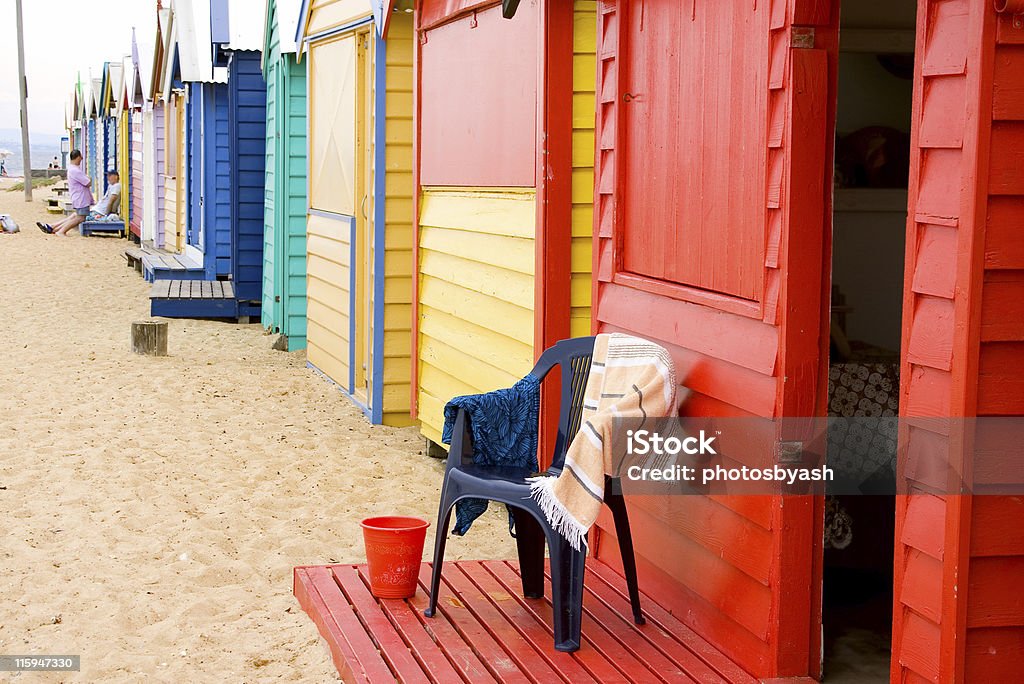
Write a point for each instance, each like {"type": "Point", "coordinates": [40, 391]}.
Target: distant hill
{"type": "Point", "coordinates": [38, 137]}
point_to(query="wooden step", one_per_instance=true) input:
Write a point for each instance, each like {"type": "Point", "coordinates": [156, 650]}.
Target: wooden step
{"type": "Point", "coordinates": [166, 266]}
{"type": "Point", "coordinates": [193, 299]}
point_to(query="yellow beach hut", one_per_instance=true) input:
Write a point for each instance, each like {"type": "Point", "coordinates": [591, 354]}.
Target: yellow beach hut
{"type": "Point", "coordinates": [359, 219]}
{"type": "Point", "coordinates": [505, 155]}
{"type": "Point", "coordinates": [123, 113]}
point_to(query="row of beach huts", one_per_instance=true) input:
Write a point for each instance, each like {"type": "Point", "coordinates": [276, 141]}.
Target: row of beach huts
{"type": "Point", "coordinates": [269, 145]}
{"type": "Point", "coordinates": [426, 194]}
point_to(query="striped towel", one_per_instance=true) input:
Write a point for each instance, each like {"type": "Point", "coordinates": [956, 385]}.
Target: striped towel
{"type": "Point", "coordinates": [629, 378]}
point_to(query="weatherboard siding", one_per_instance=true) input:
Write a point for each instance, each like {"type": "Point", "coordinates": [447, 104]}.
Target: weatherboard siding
{"type": "Point", "coordinates": [328, 242]}
{"type": "Point", "coordinates": [248, 104]}
{"type": "Point", "coordinates": [137, 191]}
{"type": "Point", "coordinates": [584, 76]}
{"type": "Point", "coordinates": [396, 314]}
{"type": "Point", "coordinates": [476, 294]}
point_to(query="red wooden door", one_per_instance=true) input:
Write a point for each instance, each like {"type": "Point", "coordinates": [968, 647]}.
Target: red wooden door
{"type": "Point", "coordinates": [712, 227]}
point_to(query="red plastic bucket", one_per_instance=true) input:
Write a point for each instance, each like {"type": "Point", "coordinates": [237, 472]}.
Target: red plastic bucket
{"type": "Point", "coordinates": [394, 551]}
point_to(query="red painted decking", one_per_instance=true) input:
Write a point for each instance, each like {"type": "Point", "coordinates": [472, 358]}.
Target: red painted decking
{"type": "Point", "coordinates": [485, 631]}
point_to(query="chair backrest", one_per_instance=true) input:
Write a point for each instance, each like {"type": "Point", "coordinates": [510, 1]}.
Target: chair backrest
{"type": "Point", "coordinates": [574, 357]}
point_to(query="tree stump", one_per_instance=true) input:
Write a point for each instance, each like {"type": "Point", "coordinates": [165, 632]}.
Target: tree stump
{"type": "Point", "coordinates": [149, 338]}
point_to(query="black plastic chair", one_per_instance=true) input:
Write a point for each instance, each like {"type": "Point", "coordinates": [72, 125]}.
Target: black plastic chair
{"type": "Point", "coordinates": [464, 479]}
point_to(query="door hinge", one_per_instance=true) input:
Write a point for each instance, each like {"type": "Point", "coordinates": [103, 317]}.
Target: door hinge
{"type": "Point", "coordinates": [802, 37]}
{"type": "Point", "coordinates": [789, 453]}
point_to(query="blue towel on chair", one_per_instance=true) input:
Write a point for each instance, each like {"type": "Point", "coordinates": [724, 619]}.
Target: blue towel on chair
{"type": "Point", "coordinates": [503, 424]}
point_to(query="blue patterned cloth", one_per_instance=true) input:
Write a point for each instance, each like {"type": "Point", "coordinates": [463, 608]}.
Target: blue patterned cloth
{"type": "Point", "coordinates": [503, 424]}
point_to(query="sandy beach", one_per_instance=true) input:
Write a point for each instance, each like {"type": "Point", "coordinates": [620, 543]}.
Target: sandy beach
{"type": "Point", "coordinates": [153, 508]}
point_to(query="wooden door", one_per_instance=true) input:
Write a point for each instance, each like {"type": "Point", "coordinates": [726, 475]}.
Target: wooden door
{"type": "Point", "coordinates": [333, 206]}
{"type": "Point", "coordinates": [712, 237]}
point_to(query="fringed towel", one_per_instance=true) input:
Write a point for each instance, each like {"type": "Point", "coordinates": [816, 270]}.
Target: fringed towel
{"type": "Point", "coordinates": [629, 378]}
{"type": "Point", "coordinates": [503, 424]}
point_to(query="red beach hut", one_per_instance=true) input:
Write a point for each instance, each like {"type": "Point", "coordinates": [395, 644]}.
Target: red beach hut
{"type": "Point", "coordinates": [720, 234]}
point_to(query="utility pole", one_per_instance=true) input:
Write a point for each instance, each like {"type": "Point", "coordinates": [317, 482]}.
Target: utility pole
{"type": "Point", "coordinates": [26, 154]}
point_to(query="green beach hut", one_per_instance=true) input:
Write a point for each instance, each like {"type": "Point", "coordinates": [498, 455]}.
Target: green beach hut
{"type": "Point", "coordinates": [284, 209]}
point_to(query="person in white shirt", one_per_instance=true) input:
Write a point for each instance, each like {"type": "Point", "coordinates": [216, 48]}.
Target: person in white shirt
{"type": "Point", "coordinates": [111, 200]}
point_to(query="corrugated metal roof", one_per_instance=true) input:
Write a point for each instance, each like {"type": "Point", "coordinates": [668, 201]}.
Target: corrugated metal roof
{"type": "Point", "coordinates": [288, 21]}
{"type": "Point", "coordinates": [245, 24]}
{"type": "Point", "coordinates": [115, 72]}
{"type": "Point", "coordinates": [195, 50]}
{"type": "Point", "coordinates": [96, 91]}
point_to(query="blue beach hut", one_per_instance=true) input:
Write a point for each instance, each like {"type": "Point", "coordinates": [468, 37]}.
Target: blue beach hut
{"type": "Point", "coordinates": [217, 47]}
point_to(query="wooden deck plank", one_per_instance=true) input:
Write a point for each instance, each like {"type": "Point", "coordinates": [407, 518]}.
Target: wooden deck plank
{"type": "Point", "coordinates": [423, 648]}
{"type": "Point", "coordinates": [389, 642]}
{"type": "Point", "coordinates": [608, 590]}
{"type": "Point", "coordinates": [495, 606]}
{"type": "Point", "coordinates": [360, 644]}
{"type": "Point", "coordinates": [342, 653]}
{"type": "Point", "coordinates": [491, 652]}
{"type": "Point", "coordinates": [460, 654]}
{"type": "Point", "coordinates": [523, 613]}
{"type": "Point", "coordinates": [486, 631]}
{"type": "Point", "coordinates": [625, 645]}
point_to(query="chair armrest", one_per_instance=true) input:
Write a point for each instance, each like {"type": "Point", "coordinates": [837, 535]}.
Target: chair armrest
{"type": "Point", "coordinates": [460, 451]}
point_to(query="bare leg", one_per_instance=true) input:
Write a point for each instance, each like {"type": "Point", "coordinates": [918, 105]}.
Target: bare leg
{"type": "Point", "coordinates": [63, 222]}
{"type": "Point", "coordinates": [69, 224]}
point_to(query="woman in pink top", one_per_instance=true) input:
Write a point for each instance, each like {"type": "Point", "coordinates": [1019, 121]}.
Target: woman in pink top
{"type": "Point", "coordinates": [81, 197]}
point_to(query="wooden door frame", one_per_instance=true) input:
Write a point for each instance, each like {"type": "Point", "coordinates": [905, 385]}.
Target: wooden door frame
{"type": "Point", "coordinates": [553, 233]}
{"type": "Point", "coordinates": [360, 276]}
{"type": "Point", "coordinates": [281, 145]}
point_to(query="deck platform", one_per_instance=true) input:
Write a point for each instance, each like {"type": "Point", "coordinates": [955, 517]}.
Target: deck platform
{"type": "Point", "coordinates": [133, 255]}
{"type": "Point", "coordinates": [485, 631]}
{"type": "Point", "coordinates": [90, 228]}
{"type": "Point", "coordinates": [193, 299]}
{"type": "Point", "coordinates": [160, 265]}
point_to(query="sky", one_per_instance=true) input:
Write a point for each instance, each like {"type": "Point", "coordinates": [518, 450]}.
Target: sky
{"type": "Point", "coordinates": [63, 38]}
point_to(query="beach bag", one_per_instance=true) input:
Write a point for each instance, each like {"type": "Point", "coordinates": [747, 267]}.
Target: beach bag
{"type": "Point", "coordinates": [8, 224]}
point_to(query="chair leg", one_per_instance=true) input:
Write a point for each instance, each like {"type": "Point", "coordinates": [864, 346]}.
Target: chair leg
{"type": "Point", "coordinates": [530, 543]}
{"type": "Point", "coordinates": [618, 505]}
{"type": "Point", "coordinates": [444, 515]}
{"type": "Point", "coordinates": [567, 571]}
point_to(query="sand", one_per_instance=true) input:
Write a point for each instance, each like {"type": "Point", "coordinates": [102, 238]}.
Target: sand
{"type": "Point", "coordinates": [152, 509]}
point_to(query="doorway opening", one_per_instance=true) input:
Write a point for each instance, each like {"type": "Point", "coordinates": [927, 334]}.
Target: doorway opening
{"type": "Point", "coordinates": [873, 119]}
